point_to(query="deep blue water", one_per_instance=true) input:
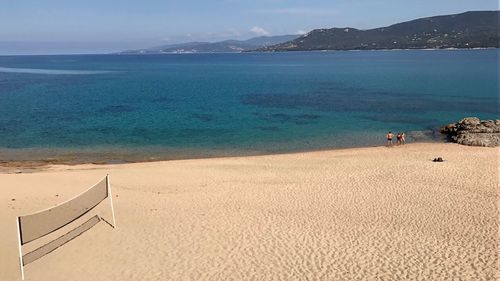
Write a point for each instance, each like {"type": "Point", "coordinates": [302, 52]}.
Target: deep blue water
{"type": "Point", "coordinates": [175, 106]}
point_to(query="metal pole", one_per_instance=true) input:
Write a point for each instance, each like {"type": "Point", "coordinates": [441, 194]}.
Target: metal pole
{"type": "Point", "coordinates": [111, 200]}
{"type": "Point", "coordinates": [20, 249]}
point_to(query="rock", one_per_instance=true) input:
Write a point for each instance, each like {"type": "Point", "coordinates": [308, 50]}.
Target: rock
{"type": "Point", "coordinates": [420, 135]}
{"type": "Point", "coordinates": [474, 132]}
{"type": "Point", "coordinates": [424, 136]}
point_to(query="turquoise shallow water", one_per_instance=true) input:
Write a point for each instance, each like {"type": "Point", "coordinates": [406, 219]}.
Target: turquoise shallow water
{"type": "Point", "coordinates": [195, 105]}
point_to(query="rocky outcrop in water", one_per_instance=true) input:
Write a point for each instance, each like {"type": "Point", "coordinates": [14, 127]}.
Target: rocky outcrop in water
{"type": "Point", "coordinates": [423, 136]}
{"type": "Point", "coordinates": [474, 132]}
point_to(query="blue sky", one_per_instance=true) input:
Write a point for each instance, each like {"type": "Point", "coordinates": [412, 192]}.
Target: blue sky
{"type": "Point", "coordinates": [73, 26]}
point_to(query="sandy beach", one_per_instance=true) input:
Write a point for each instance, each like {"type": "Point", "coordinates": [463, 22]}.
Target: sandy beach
{"type": "Point", "coordinates": [353, 214]}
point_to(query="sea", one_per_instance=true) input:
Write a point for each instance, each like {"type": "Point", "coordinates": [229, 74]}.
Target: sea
{"type": "Point", "coordinates": [127, 108]}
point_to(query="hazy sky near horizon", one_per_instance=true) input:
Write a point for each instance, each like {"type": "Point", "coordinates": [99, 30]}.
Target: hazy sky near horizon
{"type": "Point", "coordinates": [93, 26]}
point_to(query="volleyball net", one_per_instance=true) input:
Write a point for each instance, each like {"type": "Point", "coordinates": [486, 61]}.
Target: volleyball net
{"type": "Point", "coordinates": [34, 226]}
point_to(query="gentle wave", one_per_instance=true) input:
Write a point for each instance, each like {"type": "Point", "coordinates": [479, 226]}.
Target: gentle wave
{"type": "Point", "coordinates": [51, 71]}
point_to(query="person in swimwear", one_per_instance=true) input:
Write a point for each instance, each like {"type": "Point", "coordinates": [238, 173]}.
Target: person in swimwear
{"type": "Point", "coordinates": [389, 138]}
{"type": "Point", "coordinates": [403, 138]}
{"type": "Point", "coordinates": [398, 138]}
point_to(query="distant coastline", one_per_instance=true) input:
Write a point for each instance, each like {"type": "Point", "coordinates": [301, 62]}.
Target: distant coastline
{"type": "Point", "coordinates": [468, 30]}
{"type": "Point", "coordinates": [247, 52]}
{"type": "Point", "coordinates": [476, 29]}
{"type": "Point", "coordinates": [316, 50]}
{"type": "Point", "coordinates": [379, 50]}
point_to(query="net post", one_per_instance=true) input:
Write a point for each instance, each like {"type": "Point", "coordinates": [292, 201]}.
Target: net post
{"type": "Point", "coordinates": [108, 185]}
{"type": "Point", "coordinates": [20, 248]}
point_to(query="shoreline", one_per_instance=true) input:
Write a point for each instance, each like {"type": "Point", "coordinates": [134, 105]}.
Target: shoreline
{"type": "Point", "coordinates": [75, 158]}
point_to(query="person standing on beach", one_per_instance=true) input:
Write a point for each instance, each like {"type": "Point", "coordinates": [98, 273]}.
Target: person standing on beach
{"type": "Point", "coordinates": [398, 139]}
{"type": "Point", "coordinates": [403, 138]}
{"type": "Point", "coordinates": [389, 138]}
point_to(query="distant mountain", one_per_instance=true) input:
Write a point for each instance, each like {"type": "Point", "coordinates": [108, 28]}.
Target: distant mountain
{"type": "Point", "coordinates": [270, 40]}
{"type": "Point", "coordinates": [467, 30]}
{"type": "Point", "coordinates": [216, 47]}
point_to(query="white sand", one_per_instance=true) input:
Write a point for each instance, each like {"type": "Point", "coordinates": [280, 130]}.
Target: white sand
{"type": "Point", "coordinates": [356, 214]}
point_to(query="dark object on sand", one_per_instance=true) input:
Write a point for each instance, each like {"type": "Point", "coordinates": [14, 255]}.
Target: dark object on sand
{"type": "Point", "coordinates": [474, 132]}
{"type": "Point", "coordinates": [439, 159]}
